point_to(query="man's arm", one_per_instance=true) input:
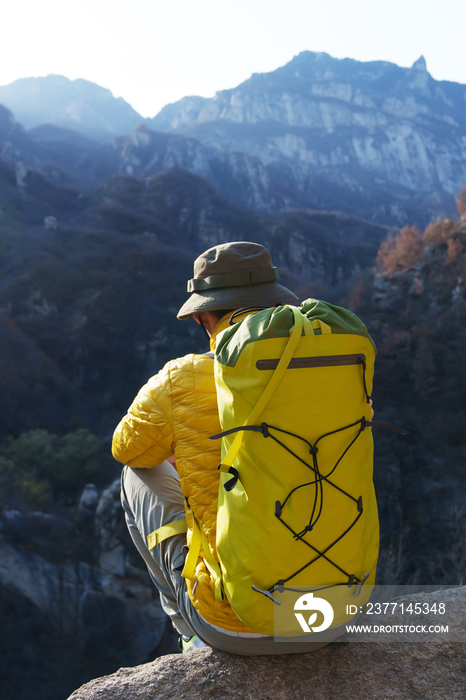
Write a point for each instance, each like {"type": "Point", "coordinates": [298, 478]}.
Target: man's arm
{"type": "Point", "coordinates": [145, 436]}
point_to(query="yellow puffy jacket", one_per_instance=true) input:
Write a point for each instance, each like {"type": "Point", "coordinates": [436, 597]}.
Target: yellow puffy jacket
{"type": "Point", "coordinates": [175, 413]}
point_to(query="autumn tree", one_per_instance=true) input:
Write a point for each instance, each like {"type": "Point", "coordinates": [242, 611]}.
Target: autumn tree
{"type": "Point", "coordinates": [461, 202]}
{"type": "Point", "coordinates": [402, 252]}
{"type": "Point", "coordinates": [439, 232]}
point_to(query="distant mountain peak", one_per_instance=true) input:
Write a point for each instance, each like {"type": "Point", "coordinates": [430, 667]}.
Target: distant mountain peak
{"type": "Point", "coordinates": [73, 104]}
{"type": "Point", "coordinates": [418, 79]}
{"type": "Point", "coordinates": [420, 64]}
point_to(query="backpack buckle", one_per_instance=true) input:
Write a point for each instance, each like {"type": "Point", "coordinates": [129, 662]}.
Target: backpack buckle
{"type": "Point", "coordinates": [360, 585]}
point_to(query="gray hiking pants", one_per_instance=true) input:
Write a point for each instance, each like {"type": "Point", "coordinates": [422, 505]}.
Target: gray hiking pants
{"type": "Point", "coordinates": [152, 498]}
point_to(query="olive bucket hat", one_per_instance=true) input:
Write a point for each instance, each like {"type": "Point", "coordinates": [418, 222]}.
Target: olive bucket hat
{"type": "Point", "coordinates": [234, 275]}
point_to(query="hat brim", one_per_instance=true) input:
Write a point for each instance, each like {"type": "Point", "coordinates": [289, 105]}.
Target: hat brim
{"type": "Point", "coordinates": [263, 294]}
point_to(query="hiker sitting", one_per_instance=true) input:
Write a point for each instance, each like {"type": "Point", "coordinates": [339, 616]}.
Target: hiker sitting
{"type": "Point", "coordinates": [169, 512]}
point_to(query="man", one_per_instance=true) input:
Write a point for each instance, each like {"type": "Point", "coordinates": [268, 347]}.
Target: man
{"type": "Point", "coordinates": [173, 415]}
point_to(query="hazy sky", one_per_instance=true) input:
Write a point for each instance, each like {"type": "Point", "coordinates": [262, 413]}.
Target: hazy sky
{"type": "Point", "coordinates": [152, 52]}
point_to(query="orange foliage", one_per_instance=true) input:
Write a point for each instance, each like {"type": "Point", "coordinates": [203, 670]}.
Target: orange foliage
{"type": "Point", "coordinates": [454, 249]}
{"type": "Point", "coordinates": [439, 232]}
{"type": "Point", "coordinates": [461, 202]}
{"type": "Point", "coordinates": [405, 250]}
{"type": "Point", "coordinates": [402, 252]}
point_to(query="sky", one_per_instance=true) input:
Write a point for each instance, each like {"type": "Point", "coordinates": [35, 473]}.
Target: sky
{"type": "Point", "coordinates": [154, 52]}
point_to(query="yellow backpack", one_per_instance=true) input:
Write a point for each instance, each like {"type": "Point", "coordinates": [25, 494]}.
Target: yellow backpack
{"type": "Point", "coordinates": [296, 502]}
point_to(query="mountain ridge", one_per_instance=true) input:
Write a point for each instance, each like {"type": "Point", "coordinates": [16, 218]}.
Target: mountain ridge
{"type": "Point", "coordinates": [79, 104]}
{"type": "Point", "coordinates": [374, 140]}
{"type": "Point", "coordinates": [325, 120]}
{"type": "Point", "coordinates": [291, 71]}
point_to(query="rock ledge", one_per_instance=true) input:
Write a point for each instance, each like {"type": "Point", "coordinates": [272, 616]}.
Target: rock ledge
{"type": "Point", "coordinates": [416, 670]}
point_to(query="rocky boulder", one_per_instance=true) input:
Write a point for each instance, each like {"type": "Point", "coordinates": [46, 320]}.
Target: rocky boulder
{"type": "Point", "coordinates": [364, 670]}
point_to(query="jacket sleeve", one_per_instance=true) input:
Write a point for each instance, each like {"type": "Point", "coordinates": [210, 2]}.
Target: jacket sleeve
{"type": "Point", "coordinates": [145, 436]}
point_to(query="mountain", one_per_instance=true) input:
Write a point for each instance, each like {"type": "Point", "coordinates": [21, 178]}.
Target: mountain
{"type": "Point", "coordinates": [99, 292]}
{"type": "Point", "coordinates": [71, 157]}
{"type": "Point", "coordinates": [64, 156]}
{"type": "Point", "coordinates": [15, 143]}
{"type": "Point", "coordinates": [96, 243]}
{"type": "Point", "coordinates": [415, 308]}
{"type": "Point", "coordinates": [88, 303]}
{"type": "Point", "coordinates": [372, 140]}
{"type": "Point", "coordinates": [72, 104]}
{"type": "Point", "coordinates": [244, 178]}
{"type": "Point", "coordinates": [107, 273]}
{"type": "Point", "coordinates": [370, 136]}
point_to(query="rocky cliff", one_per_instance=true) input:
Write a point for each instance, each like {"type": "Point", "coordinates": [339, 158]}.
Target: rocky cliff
{"type": "Point", "coordinates": [426, 671]}
{"type": "Point", "coordinates": [63, 156]}
{"type": "Point", "coordinates": [321, 130]}
{"type": "Point", "coordinates": [74, 598]}
{"type": "Point", "coordinates": [90, 284]}
{"type": "Point", "coordinates": [373, 140]}
{"type": "Point", "coordinates": [100, 292]}
{"type": "Point", "coordinates": [71, 298]}
{"type": "Point", "coordinates": [15, 144]}
{"type": "Point", "coordinates": [108, 280]}
{"type": "Point", "coordinates": [415, 308]}
{"type": "Point", "coordinates": [95, 245]}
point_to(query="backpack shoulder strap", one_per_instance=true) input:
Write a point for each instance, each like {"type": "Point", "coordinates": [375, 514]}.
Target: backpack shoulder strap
{"type": "Point", "coordinates": [269, 390]}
